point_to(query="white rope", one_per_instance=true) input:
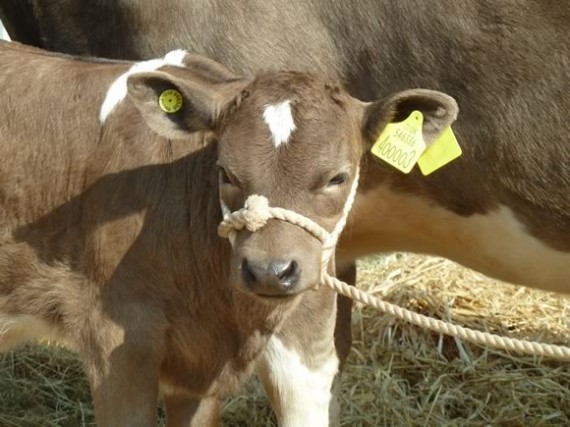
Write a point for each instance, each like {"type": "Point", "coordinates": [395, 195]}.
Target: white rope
{"type": "Point", "coordinates": [255, 214]}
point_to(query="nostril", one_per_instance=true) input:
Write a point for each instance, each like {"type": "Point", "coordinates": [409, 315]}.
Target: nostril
{"type": "Point", "coordinates": [287, 272]}
{"type": "Point", "coordinates": [246, 273]}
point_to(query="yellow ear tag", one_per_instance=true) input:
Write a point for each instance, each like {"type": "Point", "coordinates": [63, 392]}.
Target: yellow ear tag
{"type": "Point", "coordinates": [443, 150]}
{"type": "Point", "coordinates": [401, 144]}
{"type": "Point", "coordinates": [170, 101]}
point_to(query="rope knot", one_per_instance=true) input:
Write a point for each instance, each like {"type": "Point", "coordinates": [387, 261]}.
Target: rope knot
{"type": "Point", "coordinates": [252, 216]}
{"type": "Point", "coordinates": [256, 212]}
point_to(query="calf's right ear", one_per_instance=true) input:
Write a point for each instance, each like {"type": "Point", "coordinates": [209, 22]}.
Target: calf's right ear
{"type": "Point", "coordinates": [175, 107]}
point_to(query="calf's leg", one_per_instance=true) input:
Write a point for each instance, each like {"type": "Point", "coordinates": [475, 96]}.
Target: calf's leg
{"type": "Point", "coordinates": [122, 361]}
{"type": "Point", "coordinates": [183, 411]}
{"type": "Point", "coordinates": [342, 335]}
{"type": "Point", "coordinates": [343, 326]}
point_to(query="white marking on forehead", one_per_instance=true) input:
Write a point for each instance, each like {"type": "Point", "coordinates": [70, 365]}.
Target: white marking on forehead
{"type": "Point", "coordinates": [118, 89]}
{"type": "Point", "coordinates": [279, 119]}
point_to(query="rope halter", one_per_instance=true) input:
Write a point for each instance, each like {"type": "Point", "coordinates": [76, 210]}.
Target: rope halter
{"type": "Point", "coordinates": [256, 212]}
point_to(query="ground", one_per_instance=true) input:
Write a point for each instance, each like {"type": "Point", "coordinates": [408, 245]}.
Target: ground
{"type": "Point", "coordinates": [397, 375]}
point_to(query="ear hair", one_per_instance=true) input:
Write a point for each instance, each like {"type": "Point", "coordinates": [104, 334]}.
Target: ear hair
{"type": "Point", "coordinates": [203, 102]}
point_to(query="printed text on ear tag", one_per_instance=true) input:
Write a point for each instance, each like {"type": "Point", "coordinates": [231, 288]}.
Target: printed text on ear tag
{"type": "Point", "coordinates": [401, 144]}
{"type": "Point", "coordinates": [170, 101]}
{"type": "Point", "coordinates": [443, 150]}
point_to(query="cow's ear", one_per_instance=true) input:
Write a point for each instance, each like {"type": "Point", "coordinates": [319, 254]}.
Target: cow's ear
{"type": "Point", "coordinates": [175, 107]}
{"type": "Point", "coordinates": [438, 109]}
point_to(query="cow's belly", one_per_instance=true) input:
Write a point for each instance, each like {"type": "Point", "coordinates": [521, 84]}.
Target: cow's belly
{"type": "Point", "coordinates": [495, 243]}
{"type": "Point", "coordinates": [19, 329]}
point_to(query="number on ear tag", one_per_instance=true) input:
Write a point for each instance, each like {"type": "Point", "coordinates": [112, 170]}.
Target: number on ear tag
{"type": "Point", "coordinates": [401, 144]}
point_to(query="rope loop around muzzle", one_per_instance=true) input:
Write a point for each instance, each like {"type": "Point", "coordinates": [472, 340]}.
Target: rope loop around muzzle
{"type": "Point", "coordinates": [255, 214]}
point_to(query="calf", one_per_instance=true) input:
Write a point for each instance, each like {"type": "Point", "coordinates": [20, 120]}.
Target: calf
{"type": "Point", "coordinates": [109, 212]}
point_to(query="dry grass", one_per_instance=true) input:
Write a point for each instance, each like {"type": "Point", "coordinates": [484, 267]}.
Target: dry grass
{"type": "Point", "coordinates": [397, 375]}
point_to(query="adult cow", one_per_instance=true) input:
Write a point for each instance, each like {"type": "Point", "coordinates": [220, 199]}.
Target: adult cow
{"type": "Point", "coordinates": [109, 213]}
{"type": "Point", "coordinates": [501, 208]}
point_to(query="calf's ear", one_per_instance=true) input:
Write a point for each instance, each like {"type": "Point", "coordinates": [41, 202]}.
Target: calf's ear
{"type": "Point", "coordinates": [175, 107]}
{"type": "Point", "coordinates": [438, 109]}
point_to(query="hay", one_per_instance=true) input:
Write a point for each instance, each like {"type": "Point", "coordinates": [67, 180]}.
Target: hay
{"type": "Point", "coordinates": [397, 374]}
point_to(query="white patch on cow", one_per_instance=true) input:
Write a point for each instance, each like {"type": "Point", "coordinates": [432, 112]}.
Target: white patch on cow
{"type": "Point", "coordinates": [279, 119]}
{"type": "Point", "coordinates": [496, 243]}
{"type": "Point", "coordinates": [3, 33]}
{"type": "Point", "coordinates": [22, 328]}
{"type": "Point", "coordinates": [118, 89]}
{"type": "Point", "coordinates": [304, 395]}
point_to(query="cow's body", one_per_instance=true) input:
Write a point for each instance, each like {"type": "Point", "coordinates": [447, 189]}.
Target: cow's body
{"type": "Point", "coordinates": [502, 208]}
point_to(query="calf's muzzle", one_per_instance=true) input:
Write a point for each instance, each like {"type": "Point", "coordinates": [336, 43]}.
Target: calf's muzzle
{"type": "Point", "coordinates": [271, 278]}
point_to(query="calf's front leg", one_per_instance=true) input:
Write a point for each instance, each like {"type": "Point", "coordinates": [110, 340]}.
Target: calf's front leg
{"type": "Point", "coordinates": [123, 366]}
{"type": "Point", "coordinates": [184, 411]}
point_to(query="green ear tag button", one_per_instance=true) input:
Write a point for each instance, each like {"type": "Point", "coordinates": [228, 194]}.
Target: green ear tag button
{"type": "Point", "coordinates": [401, 144]}
{"type": "Point", "coordinates": [170, 101]}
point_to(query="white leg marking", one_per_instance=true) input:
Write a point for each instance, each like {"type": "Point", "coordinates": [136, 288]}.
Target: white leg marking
{"type": "Point", "coordinates": [279, 119]}
{"type": "Point", "coordinates": [19, 329]}
{"type": "Point", "coordinates": [303, 394]}
{"type": "Point", "coordinates": [118, 89]}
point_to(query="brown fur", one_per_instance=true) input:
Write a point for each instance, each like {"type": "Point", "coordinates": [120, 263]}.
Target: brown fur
{"type": "Point", "coordinates": [108, 232]}
{"type": "Point", "coordinates": [505, 63]}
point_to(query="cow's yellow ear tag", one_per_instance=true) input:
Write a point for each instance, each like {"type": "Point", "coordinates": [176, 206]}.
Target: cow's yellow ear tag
{"type": "Point", "coordinates": [443, 150]}
{"type": "Point", "coordinates": [170, 101]}
{"type": "Point", "coordinates": [401, 144]}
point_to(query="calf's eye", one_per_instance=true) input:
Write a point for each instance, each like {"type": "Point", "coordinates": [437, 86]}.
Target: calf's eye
{"type": "Point", "coordinates": [338, 179]}
{"type": "Point", "coordinates": [224, 177]}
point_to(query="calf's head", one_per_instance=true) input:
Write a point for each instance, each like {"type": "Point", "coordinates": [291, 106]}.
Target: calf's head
{"type": "Point", "coordinates": [292, 137]}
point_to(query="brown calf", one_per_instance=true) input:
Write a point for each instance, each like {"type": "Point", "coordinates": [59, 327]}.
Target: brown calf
{"type": "Point", "coordinates": [109, 214]}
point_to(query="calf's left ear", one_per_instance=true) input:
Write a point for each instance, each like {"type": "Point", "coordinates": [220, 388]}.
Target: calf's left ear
{"type": "Point", "coordinates": [438, 109]}
{"type": "Point", "coordinates": [174, 107]}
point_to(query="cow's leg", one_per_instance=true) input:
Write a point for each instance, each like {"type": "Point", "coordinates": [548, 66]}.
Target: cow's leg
{"type": "Point", "coordinates": [183, 411]}
{"type": "Point", "coordinates": [300, 363]}
{"type": "Point", "coordinates": [122, 361]}
{"type": "Point", "coordinates": [343, 326]}
{"type": "Point", "coordinates": [342, 334]}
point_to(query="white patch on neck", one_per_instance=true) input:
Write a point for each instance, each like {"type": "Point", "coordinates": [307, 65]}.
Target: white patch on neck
{"type": "Point", "coordinates": [118, 89]}
{"type": "Point", "coordinates": [279, 119]}
{"type": "Point", "coordinates": [304, 394]}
